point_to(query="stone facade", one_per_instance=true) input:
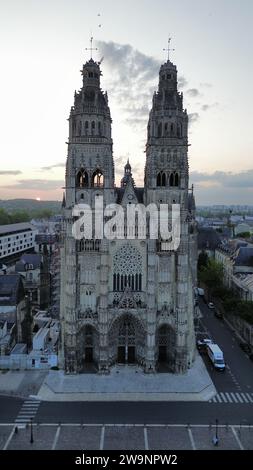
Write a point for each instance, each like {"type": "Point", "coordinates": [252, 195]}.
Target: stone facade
{"type": "Point", "coordinates": [128, 300]}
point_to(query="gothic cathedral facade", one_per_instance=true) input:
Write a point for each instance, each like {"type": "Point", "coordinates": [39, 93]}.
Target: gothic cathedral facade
{"type": "Point", "coordinates": [127, 300]}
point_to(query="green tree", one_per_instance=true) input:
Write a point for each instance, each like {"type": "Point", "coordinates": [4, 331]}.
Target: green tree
{"type": "Point", "coordinates": [211, 275]}
{"type": "Point", "coordinates": [202, 260]}
{"type": "Point", "coordinates": [4, 217]}
{"type": "Point", "coordinates": [244, 235]}
{"type": "Point", "coordinates": [19, 216]}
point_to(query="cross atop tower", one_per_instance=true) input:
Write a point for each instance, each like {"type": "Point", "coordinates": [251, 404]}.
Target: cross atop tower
{"type": "Point", "coordinates": [91, 48]}
{"type": "Point", "coordinates": [168, 49]}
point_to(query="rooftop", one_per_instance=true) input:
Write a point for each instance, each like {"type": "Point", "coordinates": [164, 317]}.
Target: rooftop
{"type": "Point", "coordinates": [11, 289]}
{"type": "Point", "coordinates": [33, 259]}
{"type": "Point", "coordinates": [14, 228]}
{"type": "Point", "coordinates": [208, 238]}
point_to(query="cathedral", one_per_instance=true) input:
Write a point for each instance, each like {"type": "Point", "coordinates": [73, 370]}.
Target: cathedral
{"type": "Point", "coordinates": [127, 300]}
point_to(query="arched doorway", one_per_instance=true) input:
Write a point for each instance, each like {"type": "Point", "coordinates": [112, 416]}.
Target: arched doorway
{"type": "Point", "coordinates": [127, 341]}
{"type": "Point", "coordinates": [87, 348]}
{"type": "Point", "coordinates": [166, 343]}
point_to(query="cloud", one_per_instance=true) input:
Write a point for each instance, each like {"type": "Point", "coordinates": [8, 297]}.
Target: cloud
{"type": "Point", "coordinates": [193, 117]}
{"type": "Point", "coordinates": [56, 165]}
{"type": "Point", "coordinates": [206, 107]}
{"type": "Point", "coordinates": [130, 72]}
{"type": "Point", "coordinates": [36, 184]}
{"type": "Point", "coordinates": [129, 62]}
{"type": "Point", "coordinates": [243, 179]}
{"type": "Point", "coordinates": [10, 172]}
{"type": "Point", "coordinates": [119, 163]}
{"type": "Point", "coordinates": [193, 92]}
{"type": "Point", "coordinates": [182, 82]}
{"type": "Point", "coordinates": [136, 122]}
{"type": "Point", "coordinates": [206, 85]}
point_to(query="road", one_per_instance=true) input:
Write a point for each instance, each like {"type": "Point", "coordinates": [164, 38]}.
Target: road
{"type": "Point", "coordinates": [239, 371]}
{"type": "Point", "coordinates": [233, 405]}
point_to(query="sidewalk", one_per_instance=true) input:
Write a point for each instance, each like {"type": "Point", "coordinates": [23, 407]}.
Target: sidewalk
{"type": "Point", "coordinates": [21, 383]}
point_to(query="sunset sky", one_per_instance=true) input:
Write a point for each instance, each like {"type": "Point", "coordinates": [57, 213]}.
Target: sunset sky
{"type": "Point", "coordinates": [42, 45]}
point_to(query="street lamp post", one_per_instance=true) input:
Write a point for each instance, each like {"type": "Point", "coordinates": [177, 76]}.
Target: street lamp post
{"type": "Point", "coordinates": [31, 438]}
{"type": "Point", "coordinates": [215, 438]}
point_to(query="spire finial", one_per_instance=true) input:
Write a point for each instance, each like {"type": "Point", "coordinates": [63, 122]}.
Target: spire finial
{"type": "Point", "coordinates": [168, 49]}
{"type": "Point", "coordinates": [91, 48]}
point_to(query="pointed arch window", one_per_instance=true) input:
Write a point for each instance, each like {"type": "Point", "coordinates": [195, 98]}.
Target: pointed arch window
{"type": "Point", "coordinates": [98, 179]}
{"type": "Point", "coordinates": [179, 130]}
{"type": "Point", "coordinates": [86, 127]}
{"type": "Point", "coordinates": [80, 128]}
{"type": "Point", "coordinates": [172, 129]}
{"type": "Point", "coordinates": [160, 129]}
{"type": "Point", "coordinates": [92, 127]}
{"type": "Point", "coordinates": [82, 179]}
{"type": "Point", "coordinates": [161, 179]}
{"type": "Point", "coordinates": [99, 128]}
{"type": "Point", "coordinates": [174, 179]}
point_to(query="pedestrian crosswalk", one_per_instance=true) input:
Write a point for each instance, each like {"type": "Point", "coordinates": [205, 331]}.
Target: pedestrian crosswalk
{"type": "Point", "coordinates": [232, 397]}
{"type": "Point", "coordinates": [28, 411]}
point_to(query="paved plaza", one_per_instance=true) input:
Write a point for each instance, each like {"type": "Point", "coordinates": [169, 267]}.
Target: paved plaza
{"type": "Point", "coordinates": [129, 383]}
{"type": "Point", "coordinates": [125, 437]}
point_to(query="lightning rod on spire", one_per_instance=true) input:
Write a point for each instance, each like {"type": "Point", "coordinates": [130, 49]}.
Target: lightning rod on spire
{"type": "Point", "coordinates": [168, 49]}
{"type": "Point", "coordinates": [91, 48]}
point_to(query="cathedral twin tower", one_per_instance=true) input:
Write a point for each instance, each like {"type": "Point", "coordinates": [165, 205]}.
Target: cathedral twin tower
{"type": "Point", "coordinates": [127, 301]}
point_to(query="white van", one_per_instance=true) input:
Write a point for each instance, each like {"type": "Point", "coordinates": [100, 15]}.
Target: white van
{"type": "Point", "coordinates": [215, 354]}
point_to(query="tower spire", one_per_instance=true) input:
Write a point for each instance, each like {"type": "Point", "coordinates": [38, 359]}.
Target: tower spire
{"type": "Point", "coordinates": [168, 49]}
{"type": "Point", "coordinates": [91, 48]}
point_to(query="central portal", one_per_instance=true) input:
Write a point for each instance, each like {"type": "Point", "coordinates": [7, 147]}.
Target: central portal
{"type": "Point", "coordinates": [126, 342]}
{"type": "Point", "coordinates": [126, 355]}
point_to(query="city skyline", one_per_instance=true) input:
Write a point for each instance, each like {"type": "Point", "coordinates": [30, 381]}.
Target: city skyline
{"type": "Point", "coordinates": [45, 65]}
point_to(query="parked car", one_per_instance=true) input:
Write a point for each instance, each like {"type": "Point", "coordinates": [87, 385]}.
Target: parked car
{"type": "Point", "coordinates": [201, 292]}
{"type": "Point", "coordinates": [202, 344]}
{"type": "Point", "coordinates": [245, 347]}
{"type": "Point", "coordinates": [218, 314]}
{"type": "Point", "coordinates": [211, 305]}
